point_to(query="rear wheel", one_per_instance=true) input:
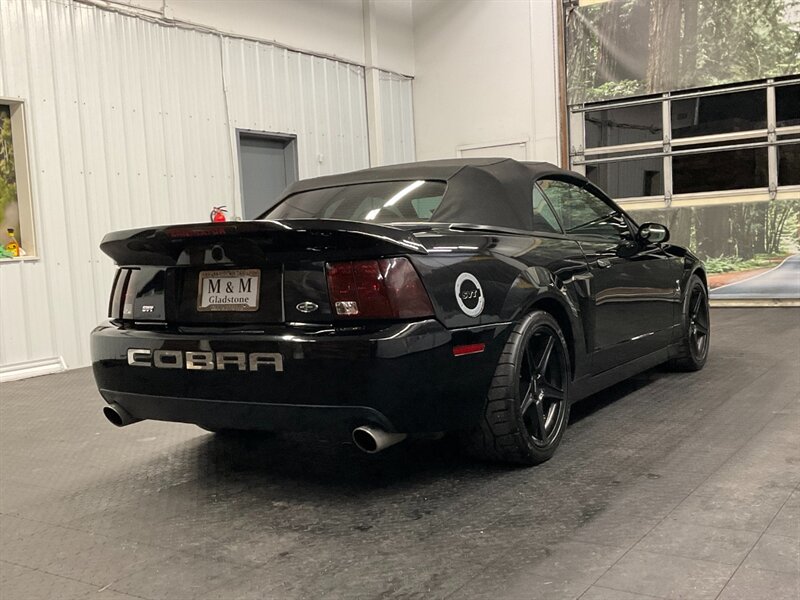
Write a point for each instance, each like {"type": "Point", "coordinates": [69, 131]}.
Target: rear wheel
{"type": "Point", "coordinates": [527, 408]}
{"type": "Point", "coordinates": [696, 336]}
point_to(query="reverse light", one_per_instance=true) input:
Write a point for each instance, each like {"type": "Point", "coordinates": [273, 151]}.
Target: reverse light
{"type": "Point", "coordinates": [347, 308]}
{"type": "Point", "coordinates": [388, 288]}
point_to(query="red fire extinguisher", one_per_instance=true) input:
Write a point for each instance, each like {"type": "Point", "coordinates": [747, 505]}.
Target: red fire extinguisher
{"type": "Point", "coordinates": [218, 214]}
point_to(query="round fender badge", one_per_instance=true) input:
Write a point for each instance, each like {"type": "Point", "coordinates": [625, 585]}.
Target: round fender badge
{"type": "Point", "coordinates": [307, 307]}
{"type": "Point", "coordinates": [469, 294]}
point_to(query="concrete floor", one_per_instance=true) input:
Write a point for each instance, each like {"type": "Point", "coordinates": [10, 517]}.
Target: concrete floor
{"type": "Point", "coordinates": [666, 486]}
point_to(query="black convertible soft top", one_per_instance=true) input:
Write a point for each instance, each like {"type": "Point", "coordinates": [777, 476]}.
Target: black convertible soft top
{"type": "Point", "coordinates": [486, 191]}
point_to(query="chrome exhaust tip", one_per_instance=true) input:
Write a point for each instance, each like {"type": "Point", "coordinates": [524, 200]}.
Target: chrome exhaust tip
{"type": "Point", "coordinates": [118, 416]}
{"type": "Point", "coordinates": [372, 440]}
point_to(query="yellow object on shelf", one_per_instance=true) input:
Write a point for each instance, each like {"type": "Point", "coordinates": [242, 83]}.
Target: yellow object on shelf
{"type": "Point", "coordinates": [12, 247]}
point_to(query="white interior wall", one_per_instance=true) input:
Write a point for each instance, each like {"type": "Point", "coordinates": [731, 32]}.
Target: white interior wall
{"type": "Point", "coordinates": [132, 123]}
{"type": "Point", "coordinates": [485, 75]}
{"type": "Point", "coordinates": [324, 26]}
{"type": "Point", "coordinates": [395, 34]}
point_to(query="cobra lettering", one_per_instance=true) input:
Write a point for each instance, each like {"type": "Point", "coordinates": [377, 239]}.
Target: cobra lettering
{"type": "Point", "coordinates": [197, 360]}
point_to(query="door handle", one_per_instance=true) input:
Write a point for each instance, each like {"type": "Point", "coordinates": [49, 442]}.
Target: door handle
{"type": "Point", "coordinates": [603, 263]}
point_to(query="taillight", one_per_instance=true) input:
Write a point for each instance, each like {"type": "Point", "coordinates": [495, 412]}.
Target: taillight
{"type": "Point", "coordinates": [119, 291]}
{"type": "Point", "coordinates": [129, 293]}
{"type": "Point", "coordinates": [388, 288]}
{"type": "Point", "coordinates": [138, 294]}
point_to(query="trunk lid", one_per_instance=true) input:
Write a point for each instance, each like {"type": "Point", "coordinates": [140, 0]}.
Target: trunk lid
{"type": "Point", "coordinates": [256, 240]}
{"type": "Point", "coordinates": [240, 273]}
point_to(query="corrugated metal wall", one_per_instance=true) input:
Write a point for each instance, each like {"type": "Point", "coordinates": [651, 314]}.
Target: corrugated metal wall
{"type": "Point", "coordinates": [129, 124]}
{"type": "Point", "coordinates": [320, 100]}
{"type": "Point", "coordinates": [397, 118]}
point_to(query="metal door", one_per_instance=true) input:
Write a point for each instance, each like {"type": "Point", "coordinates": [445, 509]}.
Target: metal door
{"type": "Point", "coordinates": [267, 164]}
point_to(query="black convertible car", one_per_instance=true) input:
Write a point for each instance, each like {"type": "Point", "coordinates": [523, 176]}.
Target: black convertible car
{"type": "Point", "coordinates": [472, 296]}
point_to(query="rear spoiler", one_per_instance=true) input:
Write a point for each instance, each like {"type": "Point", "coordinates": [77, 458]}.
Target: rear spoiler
{"type": "Point", "coordinates": [164, 245]}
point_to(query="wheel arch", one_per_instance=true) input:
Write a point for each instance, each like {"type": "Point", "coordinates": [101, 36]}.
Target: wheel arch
{"type": "Point", "coordinates": [559, 312]}
{"type": "Point", "coordinates": [701, 273]}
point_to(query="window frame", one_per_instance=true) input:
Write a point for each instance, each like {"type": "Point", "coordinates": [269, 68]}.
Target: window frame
{"type": "Point", "coordinates": [22, 175]}
{"type": "Point", "coordinates": [770, 138]}
{"type": "Point", "coordinates": [560, 231]}
{"type": "Point", "coordinates": [598, 193]}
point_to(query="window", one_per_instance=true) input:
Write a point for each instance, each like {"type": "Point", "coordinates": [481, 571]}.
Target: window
{"type": "Point", "coordinates": [424, 207]}
{"type": "Point", "coordinates": [583, 213]}
{"type": "Point", "coordinates": [787, 105]}
{"type": "Point", "coordinates": [377, 202]}
{"type": "Point", "coordinates": [544, 219]}
{"type": "Point", "coordinates": [789, 164]}
{"type": "Point", "coordinates": [625, 125]}
{"type": "Point", "coordinates": [719, 113]}
{"type": "Point", "coordinates": [719, 143]}
{"type": "Point", "coordinates": [629, 178]}
{"type": "Point", "coordinates": [743, 169]}
{"type": "Point", "coordinates": [16, 215]}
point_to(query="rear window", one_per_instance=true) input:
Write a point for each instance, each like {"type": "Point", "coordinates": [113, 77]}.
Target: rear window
{"type": "Point", "coordinates": [375, 202]}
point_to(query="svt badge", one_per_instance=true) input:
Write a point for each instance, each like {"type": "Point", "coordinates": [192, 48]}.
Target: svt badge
{"type": "Point", "coordinates": [469, 294]}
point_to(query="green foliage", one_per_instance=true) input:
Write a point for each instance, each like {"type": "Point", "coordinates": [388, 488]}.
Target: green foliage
{"type": "Point", "coordinates": [727, 264]}
{"type": "Point", "coordinates": [615, 89]}
{"type": "Point", "coordinates": [741, 39]}
{"type": "Point", "coordinates": [730, 236]}
{"type": "Point", "coordinates": [716, 42]}
{"type": "Point", "coordinates": [8, 181]}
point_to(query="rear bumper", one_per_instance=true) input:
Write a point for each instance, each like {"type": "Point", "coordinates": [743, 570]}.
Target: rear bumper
{"type": "Point", "coordinates": [403, 377]}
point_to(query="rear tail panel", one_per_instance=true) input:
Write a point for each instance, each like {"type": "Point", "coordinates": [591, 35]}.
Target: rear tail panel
{"type": "Point", "coordinates": [241, 273]}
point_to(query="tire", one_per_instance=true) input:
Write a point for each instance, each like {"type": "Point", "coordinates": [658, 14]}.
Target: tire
{"type": "Point", "coordinates": [696, 330]}
{"type": "Point", "coordinates": [527, 408]}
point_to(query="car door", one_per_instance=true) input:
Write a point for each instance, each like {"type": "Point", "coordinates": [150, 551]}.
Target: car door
{"type": "Point", "coordinates": [633, 287]}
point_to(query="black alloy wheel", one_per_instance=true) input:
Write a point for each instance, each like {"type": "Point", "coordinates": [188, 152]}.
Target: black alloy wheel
{"type": "Point", "coordinates": [699, 326]}
{"type": "Point", "coordinates": [527, 408]}
{"type": "Point", "coordinates": [696, 340]}
{"type": "Point", "coordinates": [541, 384]}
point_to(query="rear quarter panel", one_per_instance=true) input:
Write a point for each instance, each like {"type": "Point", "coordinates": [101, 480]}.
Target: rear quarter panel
{"type": "Point", "coordinates": [515, 273]}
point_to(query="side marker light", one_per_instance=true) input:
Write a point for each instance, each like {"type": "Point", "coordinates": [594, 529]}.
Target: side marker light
{"type": "Point", "coordinates": [468, 349]}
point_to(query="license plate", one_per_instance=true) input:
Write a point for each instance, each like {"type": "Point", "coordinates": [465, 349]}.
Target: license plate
{"type": "Point", "coordinates": [229, 290]}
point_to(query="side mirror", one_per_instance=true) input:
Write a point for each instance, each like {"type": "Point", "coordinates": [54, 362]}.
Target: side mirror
{"type": "Point", "coordinates": [652, 233]}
